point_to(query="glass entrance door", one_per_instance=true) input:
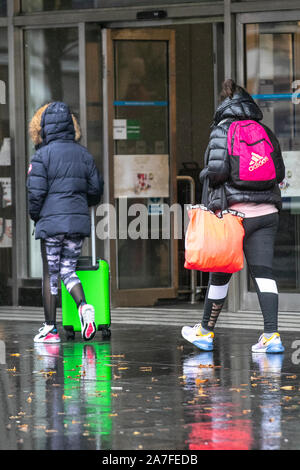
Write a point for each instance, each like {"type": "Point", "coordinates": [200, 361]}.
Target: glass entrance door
{"type": "Point", "coordinates": [140, 112]}
{"type": "Point", "coordinates": [272, 76]}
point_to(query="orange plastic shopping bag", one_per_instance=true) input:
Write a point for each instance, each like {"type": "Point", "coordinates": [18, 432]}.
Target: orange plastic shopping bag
{"type": "Point", "coordinates": [214, 243]}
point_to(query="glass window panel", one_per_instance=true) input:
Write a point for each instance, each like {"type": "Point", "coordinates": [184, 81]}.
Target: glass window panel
{"type": "Point", "coordinates": [272, 73]}
{"type": "Point", "coordinates": [94, 101]}
{"type": "Point", "coordinates": [141, 76]}
{"type": "Point", "coordinates": [141, 101]}
{"type": "Point", "coordinates": [46, 5]}
{"type": "Point", "coordinates": [52, 74]}
{"type": "Point", "coordinates": [3, 7]}
{"type": "Point", "coordinates": [144, 263]}
{"type": "Point", "coordinates": [6, 182]}
{"type": "Point", "coordinates": [29, 6]}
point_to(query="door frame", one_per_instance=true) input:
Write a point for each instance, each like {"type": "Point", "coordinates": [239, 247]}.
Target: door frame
{"type": "Point", "coordinates": [288, 302]}
{"type": "Point", "coordinates": [137, 297]}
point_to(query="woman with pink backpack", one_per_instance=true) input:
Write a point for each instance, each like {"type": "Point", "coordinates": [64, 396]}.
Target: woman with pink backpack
{"type": "Point", "coordinates": [243, 169]}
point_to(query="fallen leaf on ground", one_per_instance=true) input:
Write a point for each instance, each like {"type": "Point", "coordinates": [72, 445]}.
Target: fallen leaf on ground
{"type": "Point", "coordinates": [23, 427]}
{"type": "Point", "coordinates": [200, 381]}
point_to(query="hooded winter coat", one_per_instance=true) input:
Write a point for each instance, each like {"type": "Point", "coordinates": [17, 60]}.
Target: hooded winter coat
{"type": "Point", "coordinates": [240, 107]}
{"type": "Point", "coordinates": [63, 180]}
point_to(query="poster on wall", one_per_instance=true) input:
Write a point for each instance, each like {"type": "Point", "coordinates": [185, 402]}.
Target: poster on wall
{"type": "Point", "coordinates": [290, 187]}
{"type": "Point", "coordinates": [141, 176]}
{"type": "Point", "coordinates": [5, 224]}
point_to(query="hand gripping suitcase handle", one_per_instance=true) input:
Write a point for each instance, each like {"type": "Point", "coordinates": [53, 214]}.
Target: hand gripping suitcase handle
{"type": "Point", "coordinates": [93, 235]}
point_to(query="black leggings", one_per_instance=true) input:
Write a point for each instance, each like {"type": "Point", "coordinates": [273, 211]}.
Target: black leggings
{"type": "Point", "coordinates": [259, 241]}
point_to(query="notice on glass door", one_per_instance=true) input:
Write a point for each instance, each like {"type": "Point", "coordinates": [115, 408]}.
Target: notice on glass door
{"type": "Point", "coordinates": [290, 187]}
{"type": "Point", "coordinates": [141, 176]}
{"type": "Point", "coordinates": [126, 129]}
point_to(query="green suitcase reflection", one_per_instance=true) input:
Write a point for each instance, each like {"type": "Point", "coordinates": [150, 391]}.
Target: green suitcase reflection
{"type": "Point", "coordinates": [87, 390]}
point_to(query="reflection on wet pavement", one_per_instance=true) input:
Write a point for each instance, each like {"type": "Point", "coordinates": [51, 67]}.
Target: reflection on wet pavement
{"type": "Point", "coordinates": [146, 388]}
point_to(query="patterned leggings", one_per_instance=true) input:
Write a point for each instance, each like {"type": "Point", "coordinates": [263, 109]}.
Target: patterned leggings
{"type": "Point", "coordinates": [60, 255]}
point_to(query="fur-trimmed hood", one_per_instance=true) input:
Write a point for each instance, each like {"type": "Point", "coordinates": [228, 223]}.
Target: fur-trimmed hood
{"type": "Point", "coordinates": [51, 122]}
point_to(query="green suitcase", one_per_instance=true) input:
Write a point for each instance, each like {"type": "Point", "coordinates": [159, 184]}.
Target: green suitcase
{"type": "Point", "coordinates": [95, 282]}
{"type": "Point", "coordinates": [94, 276]}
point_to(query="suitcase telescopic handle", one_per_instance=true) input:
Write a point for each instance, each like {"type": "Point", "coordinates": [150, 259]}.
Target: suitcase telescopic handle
{"type": "Point", "coordinates": [93, 235]}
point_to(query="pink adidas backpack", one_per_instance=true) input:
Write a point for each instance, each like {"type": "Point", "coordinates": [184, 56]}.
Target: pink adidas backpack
{"type": "Point", "coordinates": [250, 155]}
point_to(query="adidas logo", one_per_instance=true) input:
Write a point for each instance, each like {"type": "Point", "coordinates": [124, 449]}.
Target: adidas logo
{"type": "Point", "coordinates": [257, 161]}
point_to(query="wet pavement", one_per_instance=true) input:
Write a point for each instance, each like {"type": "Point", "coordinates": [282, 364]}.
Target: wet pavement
{"type": "Point", "coordinates": [146, 388]}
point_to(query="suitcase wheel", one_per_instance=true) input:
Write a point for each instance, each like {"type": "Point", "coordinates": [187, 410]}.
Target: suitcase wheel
{"type": "Point", "coordinates": [70, 333]}
{"type": "Point", "coordinates": [106, 333]}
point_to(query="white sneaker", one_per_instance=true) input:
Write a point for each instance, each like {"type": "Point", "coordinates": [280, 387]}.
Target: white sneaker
{"type": "Point", "coordinates": [194, 336]}
{"type": "Point", "coordinates": [47, 334]}
{"type": "Point", "coordinates": [87, 319]}
{"type": "Point", "coordinates": [268, 345]}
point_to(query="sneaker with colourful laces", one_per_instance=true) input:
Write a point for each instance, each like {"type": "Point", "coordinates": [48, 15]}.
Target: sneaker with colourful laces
{"type": "Point", "coordinates": [268, 345]}
{"type": "Point", "coordinates": [196, 337]}
{"type": "Point", "coordinates": [87, 319]}
{"type": "Point", "coordinates": [47, 334]}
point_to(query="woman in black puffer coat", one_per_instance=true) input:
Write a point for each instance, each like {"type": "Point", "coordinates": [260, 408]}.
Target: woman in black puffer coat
{"type": "Point", "coordinates": [63, 181]}
{"type": "Point", "coordinates": [239, 106]}
{"type": "Point", "coordinates": [260, 202]}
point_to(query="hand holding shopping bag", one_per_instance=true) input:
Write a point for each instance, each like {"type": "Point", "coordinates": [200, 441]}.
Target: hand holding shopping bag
{"type": "Point", "coordinates": [214, 243]}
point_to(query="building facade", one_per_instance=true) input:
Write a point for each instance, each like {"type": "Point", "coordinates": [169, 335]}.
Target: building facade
{"type": "Point", "coordinates": [143, 78]}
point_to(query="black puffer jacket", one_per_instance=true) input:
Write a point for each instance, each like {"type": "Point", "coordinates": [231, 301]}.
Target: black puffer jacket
{"type": "Point", "coordinates": [63, 180]}
{"type": "Point", "coordinates": [217, 169]}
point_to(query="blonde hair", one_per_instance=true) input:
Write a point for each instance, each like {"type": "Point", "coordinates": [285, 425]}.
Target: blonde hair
{"type": "Point", "coordinates": [35, 127]}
